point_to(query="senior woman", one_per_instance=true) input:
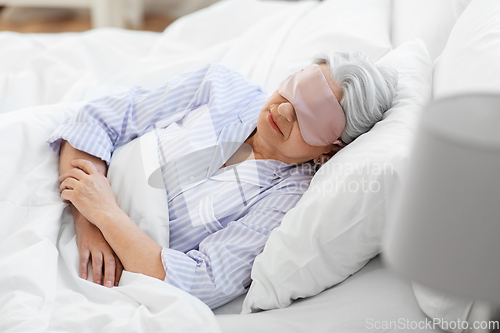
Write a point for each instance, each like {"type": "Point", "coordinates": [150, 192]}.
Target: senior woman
{"type": "Point", "coordinates": [234, 161]}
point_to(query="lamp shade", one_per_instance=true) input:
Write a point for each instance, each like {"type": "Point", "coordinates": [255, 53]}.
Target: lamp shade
{"type": "Point", "coordinates": [445, 231]}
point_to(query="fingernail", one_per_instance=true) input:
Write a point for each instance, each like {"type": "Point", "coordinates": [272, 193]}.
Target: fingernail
{"type": "Point", "coordinates": [84, 276]}
{"type": "Point", "coordinates": [109, 284]}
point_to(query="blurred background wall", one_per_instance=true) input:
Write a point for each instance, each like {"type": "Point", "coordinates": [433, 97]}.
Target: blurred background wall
{"type": "Point", "coordinates": [175, 8]}
{"type": "Point", "coordinates": [155, 15]}
{"type": "Point", "coordinates": [42, 16]}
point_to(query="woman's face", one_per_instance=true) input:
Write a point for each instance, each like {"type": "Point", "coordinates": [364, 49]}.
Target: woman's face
{"type": "Point", "coordinates": [278, 127]}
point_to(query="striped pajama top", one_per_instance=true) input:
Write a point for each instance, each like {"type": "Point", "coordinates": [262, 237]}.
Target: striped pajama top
{"type": "Point", "coordinates": [220, 217]}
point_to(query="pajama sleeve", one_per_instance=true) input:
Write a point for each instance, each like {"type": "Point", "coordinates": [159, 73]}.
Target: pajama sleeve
{"type": "Point", "coordinates": [106, 123]}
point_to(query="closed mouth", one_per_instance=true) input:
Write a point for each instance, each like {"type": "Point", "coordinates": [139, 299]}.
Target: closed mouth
{"type": "Point", "coordinates": [273, 123]}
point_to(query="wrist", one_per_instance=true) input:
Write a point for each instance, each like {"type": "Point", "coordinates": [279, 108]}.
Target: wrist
{"type": "Point", "coordinates": [110, 217]}
{"type": "Point", "coordinates": [78, 218]}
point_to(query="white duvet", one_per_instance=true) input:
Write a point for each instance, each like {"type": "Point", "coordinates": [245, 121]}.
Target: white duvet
{"type": "Point", "coordinates": [40, 290]}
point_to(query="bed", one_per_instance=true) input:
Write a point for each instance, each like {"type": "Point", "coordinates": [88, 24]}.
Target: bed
{"type": "Point", "coordinates": [322, 269]}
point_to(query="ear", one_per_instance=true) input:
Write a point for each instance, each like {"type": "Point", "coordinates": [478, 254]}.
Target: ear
{"type": "Point", "coordinates": [323, 158]}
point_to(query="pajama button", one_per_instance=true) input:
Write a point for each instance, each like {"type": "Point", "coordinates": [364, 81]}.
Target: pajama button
{"type": "Point", "coordinates": [192, 179]}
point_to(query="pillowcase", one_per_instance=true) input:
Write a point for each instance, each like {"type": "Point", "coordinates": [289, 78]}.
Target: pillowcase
{"type": "Point", "coordinates": [336, 227]}
{"type": "Point", "coordinates": [470, 62]}
{"type": "Point", "coordinates": [428, 20]}
{"type": "Point", "coordinates": [129, 170]}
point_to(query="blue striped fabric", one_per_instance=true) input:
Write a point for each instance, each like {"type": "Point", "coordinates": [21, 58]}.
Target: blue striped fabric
{"type": "Point", "coordinates": [220, 217]}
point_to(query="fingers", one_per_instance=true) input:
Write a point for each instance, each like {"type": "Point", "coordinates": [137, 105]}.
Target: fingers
{"type": "Point", "coordinates": [85, 165]}
{"type": "Point", "coordinates": [68, 183]}
{"type": "Point", "coordinates": [112, 269]}
{"type": "Point", "coordinates": [84, 264]}
{"type": "Point", "coordinates": [106, 267]}
{"type": "Point", "coordinates": [66, 195]}
{"type": "Point", "coordinates": [76, 173]}
{"type": "Point", "coordinates": [97, 267]}
{"type": "Point", "coordinates": [109, 270]}
{"type": "Point", "coordinates": [119, 270]}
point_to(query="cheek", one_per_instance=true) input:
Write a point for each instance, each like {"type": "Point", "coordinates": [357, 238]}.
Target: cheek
{"type": "Point", "coordinates": [296, 144]}
{"type": "Point", "coordinates": [261, 122]}
{"type": "Point", "coordinates": [301, 148]}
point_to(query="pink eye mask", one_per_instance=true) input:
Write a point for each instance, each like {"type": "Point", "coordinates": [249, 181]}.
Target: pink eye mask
{"type": "Point", "coordinates": [320, 116]}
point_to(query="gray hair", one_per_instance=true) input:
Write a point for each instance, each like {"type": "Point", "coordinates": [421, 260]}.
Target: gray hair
{"type": "Point", "coordinates": [368, 90]}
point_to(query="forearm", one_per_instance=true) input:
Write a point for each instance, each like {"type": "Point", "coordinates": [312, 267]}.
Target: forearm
{"type": "Point", "coordinates": [92, 247]}
{"type": "Point", "coordinates": [68, 153]}
{"type": "Point", "coordinates": [104, 124]}
{"type": "Point", "coordinates": [136, 250]}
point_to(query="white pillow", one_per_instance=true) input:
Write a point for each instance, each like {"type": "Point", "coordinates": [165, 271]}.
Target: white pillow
{"type": "Point", "coordinates": [471, 60]}
{"type": "Point", "coordinates": [429, 20]}
{"type": "Point", "coordinates": [128, 173]}
{"type": "Point", "coordinates": [334, 25]}
{"type": "Point", "coordinates": [337, 225]}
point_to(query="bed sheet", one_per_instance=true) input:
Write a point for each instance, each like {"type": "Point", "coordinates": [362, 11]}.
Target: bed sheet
{"type": "Point", "coordinates": [368, 301]}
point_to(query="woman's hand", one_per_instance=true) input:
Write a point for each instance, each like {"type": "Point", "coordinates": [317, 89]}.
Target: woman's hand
{"type": "Point", "coordinates": [89, 191]}
{"type": "Point", "coordinates": [106, 267]}
{"type": "Point", "coordinates": [91, 195]}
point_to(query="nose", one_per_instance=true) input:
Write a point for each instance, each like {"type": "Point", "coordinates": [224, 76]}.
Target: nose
{"type": "Point", "coordinates": [286, 110]}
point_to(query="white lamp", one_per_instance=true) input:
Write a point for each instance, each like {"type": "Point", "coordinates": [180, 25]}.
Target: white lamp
{"type": "Point", "coordinates": [445, 233]}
